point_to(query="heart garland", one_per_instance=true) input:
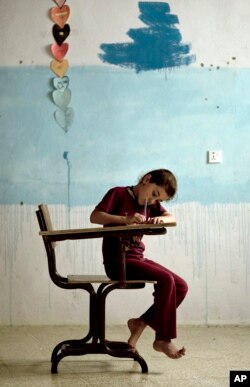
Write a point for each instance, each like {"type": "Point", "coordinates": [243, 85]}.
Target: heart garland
{"type": "Point", "coordinates": [61, 95]}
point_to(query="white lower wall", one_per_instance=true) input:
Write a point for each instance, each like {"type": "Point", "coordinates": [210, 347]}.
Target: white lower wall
{"type": "Point", "coordinates": [209, 248]}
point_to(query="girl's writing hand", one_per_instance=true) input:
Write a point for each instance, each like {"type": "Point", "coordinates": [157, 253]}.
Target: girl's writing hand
{"type": "Point", "coordinates": [135, 219]}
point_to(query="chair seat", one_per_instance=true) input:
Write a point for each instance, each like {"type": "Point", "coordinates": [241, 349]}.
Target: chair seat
{"type": "Point", "coordinates": [99, 279]}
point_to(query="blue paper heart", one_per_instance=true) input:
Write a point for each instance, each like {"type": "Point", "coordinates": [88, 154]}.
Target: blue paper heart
{"type": "Point", "coordinates": [62, 98]}
{"type": "Point", "coordinates": [61, 83]}
{"type": "Point", "coordinates": [64, 118]}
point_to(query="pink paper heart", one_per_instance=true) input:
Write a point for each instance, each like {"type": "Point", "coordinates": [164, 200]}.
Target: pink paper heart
{"type": "Point", "coordinates": [60, 2]}
{"type": "Point", "coordinates": [59, 52]}
{"type": "Point", "coordinates": [60, 15]}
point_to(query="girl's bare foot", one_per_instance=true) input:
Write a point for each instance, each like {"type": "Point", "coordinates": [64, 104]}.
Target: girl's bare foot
{"type": "Point", "coordinates": [169, 349]}
{"type": "Point", "coordinates": [136, 327]}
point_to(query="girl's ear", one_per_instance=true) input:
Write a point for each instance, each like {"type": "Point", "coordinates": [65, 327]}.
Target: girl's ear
{"type": "Point", "coordinates": [146, 179]}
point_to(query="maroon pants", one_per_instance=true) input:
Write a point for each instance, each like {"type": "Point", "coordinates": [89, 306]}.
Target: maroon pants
{"type": "Point", "coordinates": [170, 290]}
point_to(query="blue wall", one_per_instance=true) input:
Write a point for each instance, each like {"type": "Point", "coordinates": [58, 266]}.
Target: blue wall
{"type": "Point", "coordinates": [125, 124]}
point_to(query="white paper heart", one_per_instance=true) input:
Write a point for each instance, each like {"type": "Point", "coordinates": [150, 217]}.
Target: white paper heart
{"type": "Point", "coordinates": [61, 83]}
{"type": "Point", "coordinates": [61, 98]}
{"type": "Point", "coordinates": [64, 118]}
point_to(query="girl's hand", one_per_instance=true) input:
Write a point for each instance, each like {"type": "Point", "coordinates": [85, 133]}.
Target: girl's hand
{"type": "Point", "coordinates": [156, 220]}
{"type": "Point", "coordinates": [135, 219]}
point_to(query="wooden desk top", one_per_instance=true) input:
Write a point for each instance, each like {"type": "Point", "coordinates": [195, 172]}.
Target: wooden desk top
{"type": "Point", "coordinates": [100, 232]}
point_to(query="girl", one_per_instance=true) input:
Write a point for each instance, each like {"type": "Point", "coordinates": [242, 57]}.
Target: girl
{"type": "Point", "coordinates": [140, 204]}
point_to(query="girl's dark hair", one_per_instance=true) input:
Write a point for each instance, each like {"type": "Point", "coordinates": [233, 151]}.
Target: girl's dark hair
{"type": "Point", "coordinates": [165, 179]}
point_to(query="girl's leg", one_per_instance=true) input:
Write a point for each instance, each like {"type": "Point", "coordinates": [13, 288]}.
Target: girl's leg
{"type": "Point", "coordinates": [136, 327]}
{"type": "Point", "coordinates": [170, 291]}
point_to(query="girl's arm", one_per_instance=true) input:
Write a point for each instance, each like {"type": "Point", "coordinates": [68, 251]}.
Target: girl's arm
{"type": "Point", "coordinates": [101, 217]}
{"type": "Point", "coordinates": [166, 217]}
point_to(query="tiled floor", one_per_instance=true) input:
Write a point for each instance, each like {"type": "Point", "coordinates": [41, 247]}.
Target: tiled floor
{"type": "Point", "coordinates": [211, 353]}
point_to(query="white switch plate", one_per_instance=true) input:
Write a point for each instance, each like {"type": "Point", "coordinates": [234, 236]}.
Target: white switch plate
{"type": "Point", "coordinates": [214, 157]}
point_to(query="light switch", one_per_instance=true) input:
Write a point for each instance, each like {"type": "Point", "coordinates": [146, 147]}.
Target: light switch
{"type": "Point", "coordinates": [214, 157]}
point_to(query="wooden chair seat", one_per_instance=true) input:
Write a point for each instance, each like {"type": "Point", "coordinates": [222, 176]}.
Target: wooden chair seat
{"type": "Point", "coordinates": [99, 279]}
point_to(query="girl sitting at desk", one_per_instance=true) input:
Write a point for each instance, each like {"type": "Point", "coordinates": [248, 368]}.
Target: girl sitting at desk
{"type": "Point", "coordinates": [135, 205]}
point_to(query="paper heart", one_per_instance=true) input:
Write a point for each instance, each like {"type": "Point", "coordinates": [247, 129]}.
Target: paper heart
{"type": "Point", "coordinates": [59, 52]}
{"type": "Point", "coordinates": [61, 83]}
{"type": "Point", "coordinates": [64, 118]}
{"type": "Point", "coordinates": [59, 68]}
{"type": "Point", "coordinates": [60, 2]}
{"type": "Point", "coordinates": [60, 15]}
{"type": "Point", "coordinates": [61, 98]}
{"type": "Point", "coordinates": [60, 34]}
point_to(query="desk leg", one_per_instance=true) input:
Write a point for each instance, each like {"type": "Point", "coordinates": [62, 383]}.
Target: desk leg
{"type": "Point", "coordinates": [66, 347]}
{"type": "Point", "coordinates": [114, 348]}
{"type": "Point", "coordinates": [122, 271]}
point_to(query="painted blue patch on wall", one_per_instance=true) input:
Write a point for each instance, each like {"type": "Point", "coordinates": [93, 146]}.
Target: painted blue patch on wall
{"type": "Point", "coordinates": [154, 47]}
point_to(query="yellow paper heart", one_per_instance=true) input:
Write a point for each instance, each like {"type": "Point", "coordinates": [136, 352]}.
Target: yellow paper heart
{"type": "Point", "coordinates": [59, 68]}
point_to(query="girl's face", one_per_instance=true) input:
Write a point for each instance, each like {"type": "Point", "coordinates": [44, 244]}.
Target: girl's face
{"type": "Point", "coordinates": [150, 192]}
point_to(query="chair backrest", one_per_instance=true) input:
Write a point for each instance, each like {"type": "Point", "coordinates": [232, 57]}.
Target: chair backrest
{"type": "Point", "coordinates": [45, 224]}
{"type": "Point", "coordinates": [46, 217]}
